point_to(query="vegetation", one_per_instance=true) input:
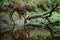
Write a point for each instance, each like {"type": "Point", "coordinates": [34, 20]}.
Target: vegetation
{"type": "Point", "coordinates": [30, 19]}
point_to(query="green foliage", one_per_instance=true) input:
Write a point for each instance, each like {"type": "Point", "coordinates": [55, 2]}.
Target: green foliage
{"type": "Point", "coordinates": [41, 35]}
{"type": "Point", "coordinates": [4, 2]}
{"type": "Point", "coordinates": [55, 17]}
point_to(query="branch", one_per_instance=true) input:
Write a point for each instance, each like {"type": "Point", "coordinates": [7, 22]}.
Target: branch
{"type": "Point", "coordinates": [43, 25]}
{"type": "Point", "coordinates": [34, 25]}
{"type": "Point", "coordinates": [51, 31]}
{"type": "Point", "coordinates": [57, 9]}
{"type": "Point", "coordinates": [38, 16]}
{"type": "Point", "coordinates": [43, 15]}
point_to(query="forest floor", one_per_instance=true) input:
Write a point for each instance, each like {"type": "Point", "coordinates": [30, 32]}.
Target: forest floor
{"type": "Point", "coordinates": [37, 34]}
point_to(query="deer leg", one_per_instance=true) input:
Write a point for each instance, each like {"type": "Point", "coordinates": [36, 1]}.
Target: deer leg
{"type": "Point", "coordinates": [50, 30]}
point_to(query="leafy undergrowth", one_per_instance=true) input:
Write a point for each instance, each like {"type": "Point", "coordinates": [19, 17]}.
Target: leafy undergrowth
{"type": "Point", "coordinates": [43, 35]}
{"type": "Point", "coordinates": [39, 35]}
